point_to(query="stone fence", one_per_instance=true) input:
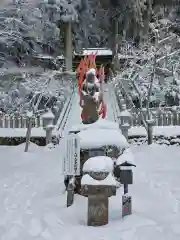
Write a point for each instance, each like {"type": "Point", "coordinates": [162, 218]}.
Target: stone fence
{"type": "Point", "coordinates": [18, 121]}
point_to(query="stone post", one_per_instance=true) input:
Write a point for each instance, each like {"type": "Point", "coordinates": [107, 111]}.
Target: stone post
{"type": "Point", "coordinates": [48, 126]}
{"type": "Point", "coordinates": [174, 112]}
{"type": "Point", "coordinates": [16, 120]}
{"type": "Point", "coordinates": [150, 124]}
{"type": "Point", "coordinates": [49, 130]}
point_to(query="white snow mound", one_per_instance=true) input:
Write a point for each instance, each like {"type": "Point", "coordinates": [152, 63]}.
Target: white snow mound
{"type": "Point", "coordinates": [96, 138]}
{"type": "Point", "coordinates": [109, 181]}
{"type": "Point", "coordinates": [98, 164]}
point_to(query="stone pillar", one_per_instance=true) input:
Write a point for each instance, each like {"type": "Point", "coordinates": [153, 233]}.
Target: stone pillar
{"type": "Point", "coordinates": [97, 210]}
{"type": "Point", "coordinates": [49, 134]}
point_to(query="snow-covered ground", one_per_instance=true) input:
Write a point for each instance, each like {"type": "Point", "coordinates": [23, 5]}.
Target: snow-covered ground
{"type": "Point", "coordinates": [32, 198]}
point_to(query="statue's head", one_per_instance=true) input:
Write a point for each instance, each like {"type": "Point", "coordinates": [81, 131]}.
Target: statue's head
{"type": "Point", "coordinates": [90, 75]}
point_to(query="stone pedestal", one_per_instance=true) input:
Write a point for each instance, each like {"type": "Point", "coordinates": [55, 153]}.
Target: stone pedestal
{"type": "Point", "coordinates": [97, 210]}
{"type": "Point", "coordinates": [98, 204]}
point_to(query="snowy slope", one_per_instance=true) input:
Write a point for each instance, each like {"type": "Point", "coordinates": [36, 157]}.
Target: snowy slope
{"type": "Point", "coordinates": [33, 203]}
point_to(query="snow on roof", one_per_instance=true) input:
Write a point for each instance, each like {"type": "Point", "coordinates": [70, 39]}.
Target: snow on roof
{"type": "Point", "coordinates": [127, 156]}
{"type": "Point", "coordinates": [101, 124]}
{"type": "Point", "coordinates": [109, 181]}
{"type": "Point", "coordinates": [96, 138]}
{"type": "Point", "coordinates": [98, 164]}
{"type": "Point", "coordinates": [48, 115]}
{"type": "Point", "coordinates": [97, 51]}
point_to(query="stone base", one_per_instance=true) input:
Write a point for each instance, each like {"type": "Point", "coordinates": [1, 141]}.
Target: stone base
{"type": "Point", "coordinates": [97, 210]}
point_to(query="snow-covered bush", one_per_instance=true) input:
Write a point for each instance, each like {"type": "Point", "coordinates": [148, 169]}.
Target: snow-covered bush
{"type": "Point", "coordinates": [43, 89]}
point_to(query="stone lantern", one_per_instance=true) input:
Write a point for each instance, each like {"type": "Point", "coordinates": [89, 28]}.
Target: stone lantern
{"type": "Point", "coordinates": [124, 172]}
{"type": "Point", "coordinates": [125, 116]}
{"type": "Point", "coordinates": [48, 125]}
{"type": "Point", "coordinates": [125, 121]}
{"type": "Point", "coordinates": [98, 184]}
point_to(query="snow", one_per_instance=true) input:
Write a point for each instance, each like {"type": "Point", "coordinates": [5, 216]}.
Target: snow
{"type": "Point", "coordinates": [98, 164]}
{"type": "Point", "coordinates": [127, 156]}
{"type": "Point", "coordinates": [97, 51]}
{"type": "Point", "coordinates": [125, 113]}
{"type": "Point", "coordinates": [96, 138]}
{"type": "Point", "coordinates": [48, 115]}
{"type": "Point", "coordinates": [167, 131]}
{"type": "Point", "coordinates": [109, 181]}
{"type": "Point", "coordinates": [101, 124]}
{"type": "Point", "coordinates": [21, 132]}
{"type": "Point", "coordinates": [29, 114]}
{"type": "Point", "coordinates": [33, 200]}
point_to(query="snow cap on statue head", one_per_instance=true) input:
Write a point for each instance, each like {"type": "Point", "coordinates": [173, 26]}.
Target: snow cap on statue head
{"type": "Point", "coordinates": [91, 71]}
